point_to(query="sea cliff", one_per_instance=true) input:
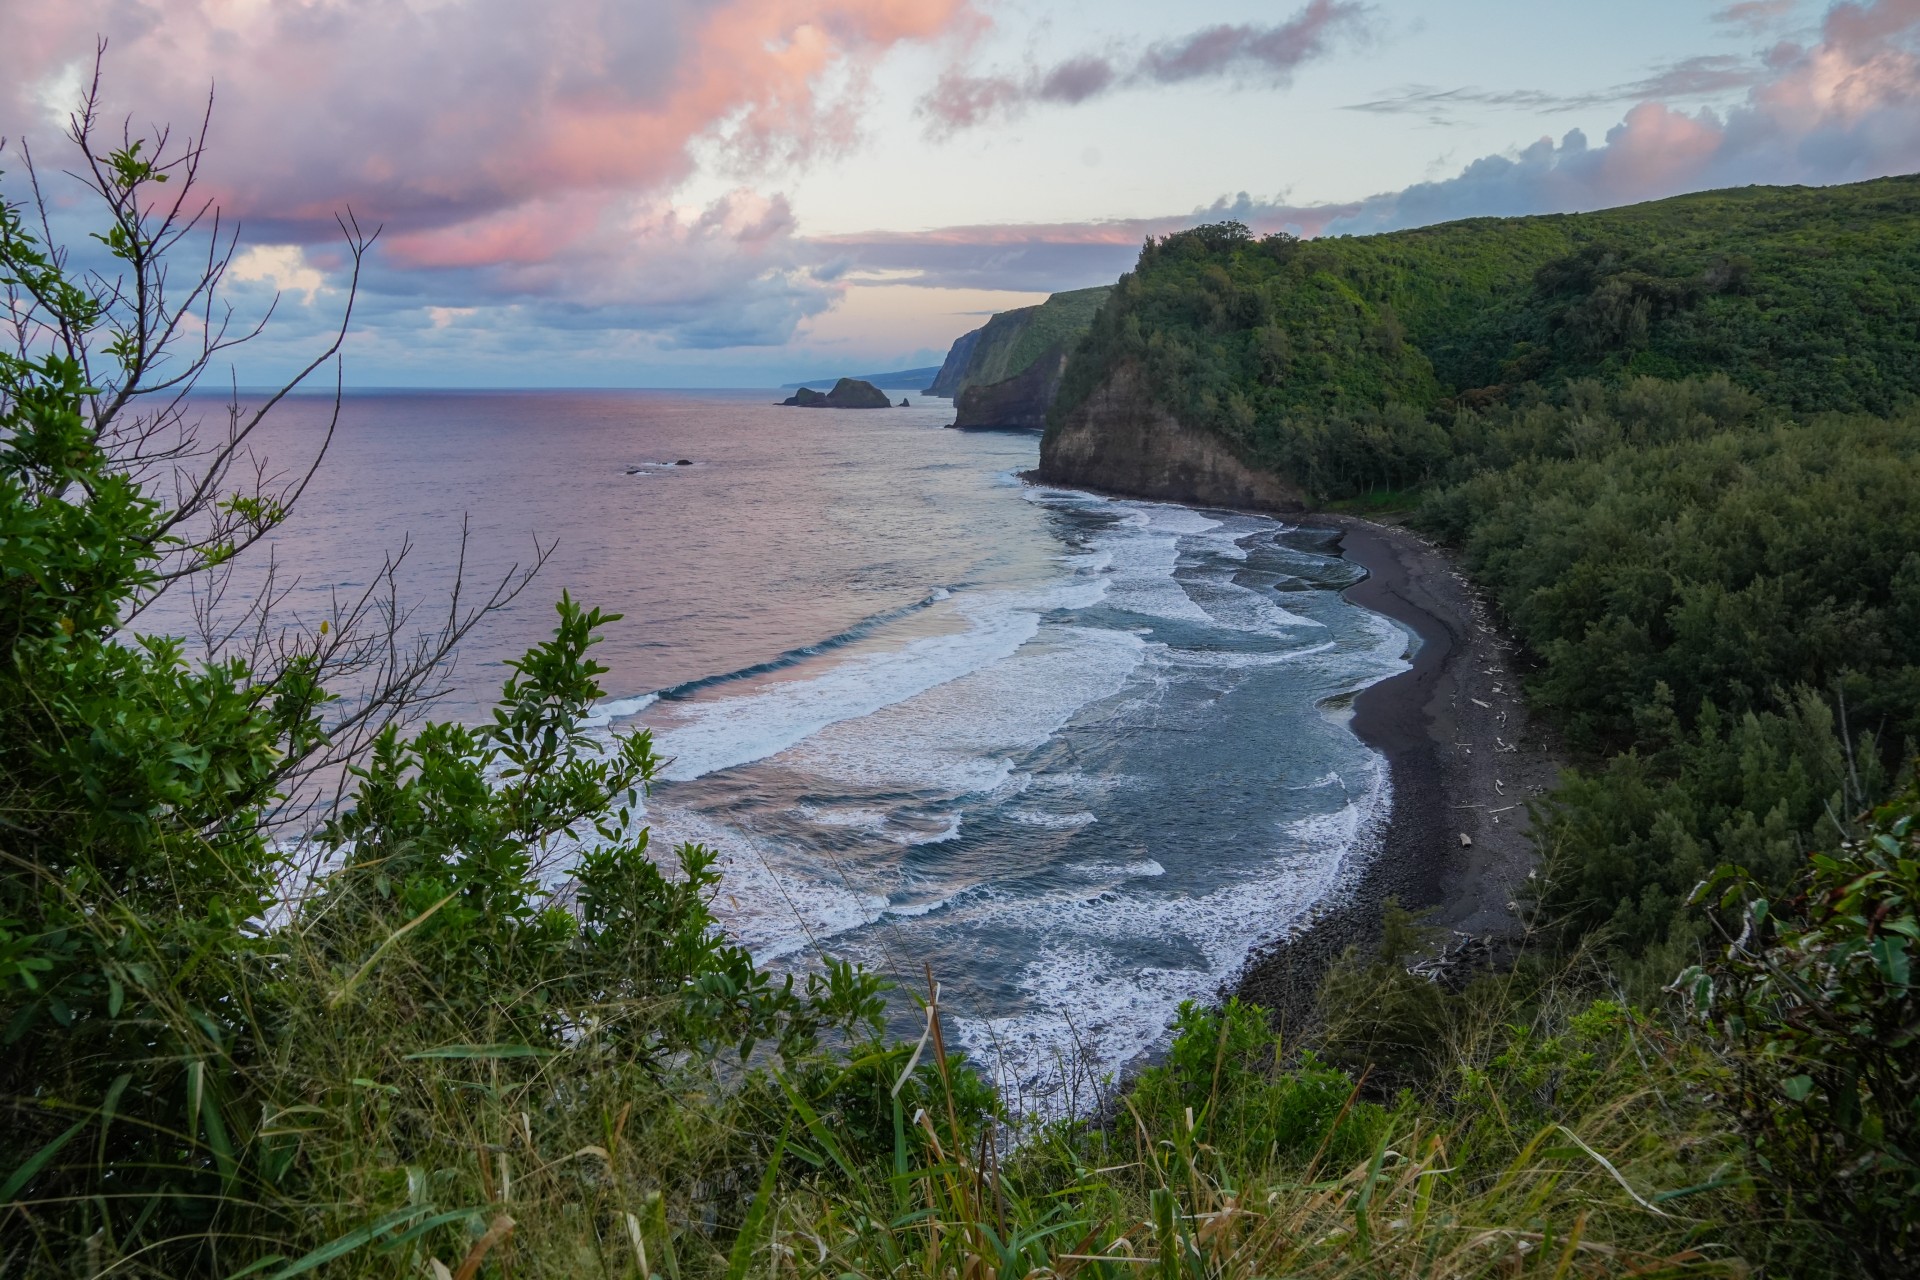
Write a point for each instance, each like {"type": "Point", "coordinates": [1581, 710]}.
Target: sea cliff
{"type": "Point", "coordinates": [1012, 341]}
{"type": "Point", "coordinates": [1117, 439]}
{"type": "Point", "coordinates": [1020, 402]}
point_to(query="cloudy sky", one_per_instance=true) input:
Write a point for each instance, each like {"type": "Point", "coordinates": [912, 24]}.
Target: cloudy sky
{"type": "Point", "coordinates": [742, 192]}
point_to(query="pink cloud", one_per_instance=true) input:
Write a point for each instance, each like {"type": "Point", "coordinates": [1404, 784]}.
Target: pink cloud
{"type": "Point", "coordinates": [1844, 110]}
{"type": "Point", "coordinates": [1754, 15]}
{"type": "Point", "coordinates": [428, 116]}
{"type": "Point", "coordinates": [518, 155]}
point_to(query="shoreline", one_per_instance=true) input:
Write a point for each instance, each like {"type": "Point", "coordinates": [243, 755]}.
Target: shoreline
{"type": "Point", "coordinates": [1463, 756]}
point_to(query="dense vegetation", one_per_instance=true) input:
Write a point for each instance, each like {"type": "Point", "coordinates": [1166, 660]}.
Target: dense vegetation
{"type": "Point", "coordinates": [1723, 612]}
{"type": "Point", "coordinates": [257, 1026]}
{"type": "Point", "coordinates": [1337, 361]}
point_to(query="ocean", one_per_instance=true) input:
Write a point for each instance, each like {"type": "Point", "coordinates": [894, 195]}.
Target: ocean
{"type": "Point", "coordinates": [1076, 756]}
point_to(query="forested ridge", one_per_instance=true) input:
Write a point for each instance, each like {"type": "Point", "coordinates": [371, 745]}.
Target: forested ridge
{"type": "Point", "coordinates": [1337, 361]}
{"type": "Point", "coordinates": [285, 989]}
{"type": "Point", "coordinates": [1677, 445]}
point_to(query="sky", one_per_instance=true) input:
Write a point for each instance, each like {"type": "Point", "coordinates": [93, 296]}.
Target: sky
{"type": "Point", "coordinates": [748, 192]}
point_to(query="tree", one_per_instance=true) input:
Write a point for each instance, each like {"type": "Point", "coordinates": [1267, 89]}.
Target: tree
{"type": "Point", "coordinates": [174, 974]}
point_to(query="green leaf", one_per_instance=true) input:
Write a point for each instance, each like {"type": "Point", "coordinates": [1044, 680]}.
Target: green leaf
{"type": "Point", "coordinates": [743, 1247]}
{"type": "Point", "coordinates": [108, 1107]}
{"type": "Point", "coordinates": [419, 1229]}
{"type": "Point", "coordinates": [1797, 1087]}
{"type": "Point", "coordinates": [347, 1243]}
{"type": "Point", "coordinates": [1699, 1187]}
{"type": "Point", "coordinates": [811, 1119]}
{"type": "Point", "coordinates": [483, 1051]}
{"type": "Point", "coordinates": [1890, 956]}
{"type": "Point", "coordinates": [38, 1160]}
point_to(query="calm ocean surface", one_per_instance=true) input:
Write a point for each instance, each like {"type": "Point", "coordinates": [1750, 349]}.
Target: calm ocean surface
{"type": "Point", "coordinates": [1079, 755]}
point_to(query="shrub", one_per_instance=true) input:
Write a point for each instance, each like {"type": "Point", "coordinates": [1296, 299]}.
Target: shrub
{"type": "Point", "coordinates": [1816, 1001]}
{"type": "Point", "coordinates": [1226, 1083]}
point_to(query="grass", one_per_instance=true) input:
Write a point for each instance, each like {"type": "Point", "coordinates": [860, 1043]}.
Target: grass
{"type": "Point", "coordinates": [1559, 1138]}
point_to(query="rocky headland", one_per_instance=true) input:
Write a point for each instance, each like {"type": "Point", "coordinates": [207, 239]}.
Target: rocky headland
{"type": "Point", "coordinates": [1012, 341]}
{"type": "Point", "coordinates": [1019, 403]}
{"type": "Point", "coordinates": [1119, 441]}
{"type": "Point", "coordinates": [954, 369]}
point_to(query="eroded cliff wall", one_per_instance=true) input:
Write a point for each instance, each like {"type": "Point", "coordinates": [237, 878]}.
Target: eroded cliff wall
{"type": "Point", "coordinates": [1118, 440]}
{"type": "Point", "coordinates": [1009, 343]}
{"type": "Point", "coordinates": [1020, 402]}
{"type": "Point", "coordinates": [947, 381]}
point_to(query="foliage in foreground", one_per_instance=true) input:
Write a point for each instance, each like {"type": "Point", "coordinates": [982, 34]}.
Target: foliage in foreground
{"type": "Point", "coordinates": [204, 1049]}
{"type": "Point", "coordinates": [1816, 1001]}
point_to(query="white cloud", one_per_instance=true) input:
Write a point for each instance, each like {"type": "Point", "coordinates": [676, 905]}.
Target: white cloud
{"type": "Point", "coordinates": [282, 265]}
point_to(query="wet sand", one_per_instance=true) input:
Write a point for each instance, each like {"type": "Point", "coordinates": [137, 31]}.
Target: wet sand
{"type": "Point", "coordinates": [1464, 758]}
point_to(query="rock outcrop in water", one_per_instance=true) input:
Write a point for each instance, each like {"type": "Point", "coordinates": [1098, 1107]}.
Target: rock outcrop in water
{"type": "Point", "coordinates": [848, 393]}
{"type": "Point", "coordinates": [1118, 440]}
{"type": "Point", "coordinates": [1020, 402]}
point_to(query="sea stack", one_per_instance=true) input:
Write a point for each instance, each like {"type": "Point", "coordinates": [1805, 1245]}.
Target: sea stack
{"type": "Point", "coordinates": [848, 393]}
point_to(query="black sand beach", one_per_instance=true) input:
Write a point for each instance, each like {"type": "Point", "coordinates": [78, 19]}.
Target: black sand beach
{"type": "Point", "coordinates": [1464, 759]}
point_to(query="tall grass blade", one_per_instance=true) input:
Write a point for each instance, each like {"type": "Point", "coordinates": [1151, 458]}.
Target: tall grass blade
{"type": "Point", "coordinates": [470, 1266]}
{"type": "Point", "coordinates": [358, 1238]}
{"type": "Point", "coordinates": [483, 1051]}
{"type": "Point", "coordinates": [38, 1160]}
{"type": "Point", "coordinates": [1607, 1164]}
{"type": "Point", "coordinates": [743, 1247]}
{"type": "Point", "coordinates": [383, 948]}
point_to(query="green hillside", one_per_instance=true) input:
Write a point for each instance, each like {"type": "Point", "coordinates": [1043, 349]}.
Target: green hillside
{"type": "Point", "coordinates": [1013, 340]}
{"type": "Point", "coordinates": [1330, 360]}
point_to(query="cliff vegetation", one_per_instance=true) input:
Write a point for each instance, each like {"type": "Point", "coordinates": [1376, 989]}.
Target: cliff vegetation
{"type": "Point", "coordinates": [1012, 341]}
{"type": "Point", "coordinates": [1341, 362]}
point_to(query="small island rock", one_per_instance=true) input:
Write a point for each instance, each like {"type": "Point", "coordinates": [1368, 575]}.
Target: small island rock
{"type": "Point", "coordinates": [848, 393]}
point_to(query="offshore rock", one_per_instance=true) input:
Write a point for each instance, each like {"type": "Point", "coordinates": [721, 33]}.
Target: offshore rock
{"type": "Point", "coordinates": [1020, 402]}
{"type": "Point", "coordinates": [848, 393]}
{"type": "Point", "coordinates": [1120, 441]}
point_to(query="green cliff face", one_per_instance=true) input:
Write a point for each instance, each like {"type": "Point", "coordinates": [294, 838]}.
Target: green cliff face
{"type": "Point", "coordinates": [1339, 363]}
{"type": "Point", "coordinates": [1012, 340]}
